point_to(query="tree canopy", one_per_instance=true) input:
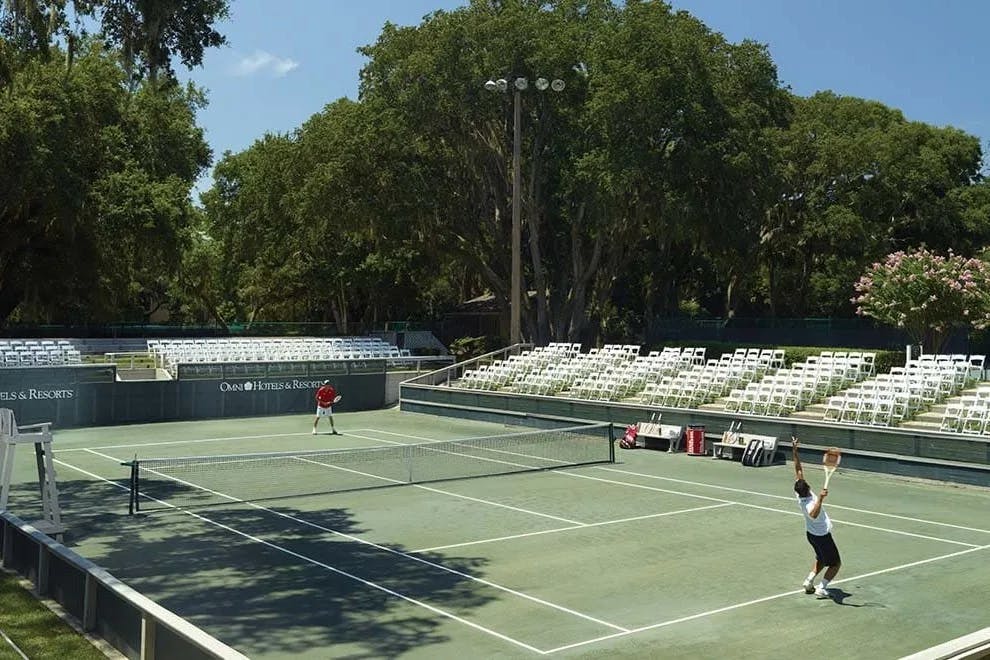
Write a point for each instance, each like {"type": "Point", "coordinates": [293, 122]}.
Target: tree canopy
{"type": "Point", "coordinates": [673, 174]}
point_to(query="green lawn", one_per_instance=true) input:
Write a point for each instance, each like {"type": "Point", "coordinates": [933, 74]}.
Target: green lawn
{"type": "Point", "coordinates": [35, 629]}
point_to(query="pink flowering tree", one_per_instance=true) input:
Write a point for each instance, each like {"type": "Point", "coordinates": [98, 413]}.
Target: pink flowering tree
{"type": "Point", "coordinates": [926, 294]}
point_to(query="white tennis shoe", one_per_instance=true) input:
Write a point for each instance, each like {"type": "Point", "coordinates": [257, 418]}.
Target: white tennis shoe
{"type": "Point", "coordinates": [822, 592]}
{"type": "Point", "coordinates": [809, 587]}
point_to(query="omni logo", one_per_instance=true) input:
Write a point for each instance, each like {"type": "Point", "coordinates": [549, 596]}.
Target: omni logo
{"type": "Point", "coordinates": [269, 385]}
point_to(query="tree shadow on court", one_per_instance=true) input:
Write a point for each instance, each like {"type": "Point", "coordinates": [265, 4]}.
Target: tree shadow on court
{"type": "Point", "coordinates": [264, 581]}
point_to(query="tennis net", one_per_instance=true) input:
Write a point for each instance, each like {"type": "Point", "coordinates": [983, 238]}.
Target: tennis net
{"type": "Point", "coordinates": [209, 480]}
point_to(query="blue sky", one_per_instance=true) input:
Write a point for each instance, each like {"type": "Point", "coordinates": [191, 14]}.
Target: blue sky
{"type": "Point", "coordinates": [287, 59]}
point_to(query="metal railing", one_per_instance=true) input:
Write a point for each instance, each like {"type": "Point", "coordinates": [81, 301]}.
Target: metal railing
{"type": "Point", "coordinates": [445, 375]}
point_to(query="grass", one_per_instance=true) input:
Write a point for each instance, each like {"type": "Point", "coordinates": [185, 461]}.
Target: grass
{"type": "Point", "coordinates": [35, 629]}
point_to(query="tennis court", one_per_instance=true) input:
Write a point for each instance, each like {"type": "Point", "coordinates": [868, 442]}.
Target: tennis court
{"type": "Point", "coordinates": [662, 555]}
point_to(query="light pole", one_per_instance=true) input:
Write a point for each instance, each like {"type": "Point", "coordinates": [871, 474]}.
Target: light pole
{"type": "Point", "coordinates": [519, 85]}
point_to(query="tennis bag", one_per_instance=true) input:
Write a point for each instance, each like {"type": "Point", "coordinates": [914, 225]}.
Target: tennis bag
{"type": "Point", "coordinates": [753, 455]}
{"type": "Point", "coordinates": [628, 441]}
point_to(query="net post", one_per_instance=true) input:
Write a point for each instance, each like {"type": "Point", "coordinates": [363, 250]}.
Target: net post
{"type": "Point", "coordinates": [611, 443]}
{"type": "Point", "coordinates": [132, 504]}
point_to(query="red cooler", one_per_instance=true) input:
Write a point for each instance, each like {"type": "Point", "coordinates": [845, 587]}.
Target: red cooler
{"type": "Point", "coordinates": [695, 440]}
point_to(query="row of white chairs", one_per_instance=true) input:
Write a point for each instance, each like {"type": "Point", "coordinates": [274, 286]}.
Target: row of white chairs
{"type": "Point", "coordinates": [970, 414]}
{"type": "Point", "coordinates": [789, 390]}
{"type": "Point", "coordinates": [892, 398]}
{"type": "Point", "coordinates": [701, 384]}
{"type": "Point", "coordinates": [169, 353]}
{"type": "Point", "coordinates": [612, 372]}
{"type": "Point", "coordinates": [627, 379]}
{"type": "Point", "coordinates": [516, 369]}
{"type": "Point", "coordinates": [37, 352]}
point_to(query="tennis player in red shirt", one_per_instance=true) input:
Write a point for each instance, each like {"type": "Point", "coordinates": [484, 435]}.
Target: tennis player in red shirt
{"type": "Point", "coordinates": [325, 398]}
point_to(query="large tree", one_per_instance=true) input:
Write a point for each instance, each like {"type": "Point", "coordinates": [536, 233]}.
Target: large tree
{"type": "Point", "coordinates": [858, 181]}
{"type": "Point", "coordinates": [659, 124]}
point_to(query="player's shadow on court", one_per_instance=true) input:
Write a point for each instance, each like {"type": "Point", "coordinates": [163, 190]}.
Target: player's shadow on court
{"type": "Point", "coordinates": [839, 597]}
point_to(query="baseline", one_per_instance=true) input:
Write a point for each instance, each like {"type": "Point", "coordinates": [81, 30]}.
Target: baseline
{"type": "Point", "coordinates": [756, 601]}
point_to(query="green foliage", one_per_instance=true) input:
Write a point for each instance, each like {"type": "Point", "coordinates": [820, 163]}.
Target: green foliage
{"type": "Point", "coordinates": [673, 174]}
{"type": "Point", "coordinates": [926, 294]}
{"type": "Point", "coordinates": [466, 348]}
{"type": "Point", "coordinates": [98, 159]}
{"type": "Point", "coordinates": [856, 180]}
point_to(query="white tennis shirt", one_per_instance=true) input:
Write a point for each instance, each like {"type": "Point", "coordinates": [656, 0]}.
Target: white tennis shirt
{"type": "Point", "coordinates": [819, 526]}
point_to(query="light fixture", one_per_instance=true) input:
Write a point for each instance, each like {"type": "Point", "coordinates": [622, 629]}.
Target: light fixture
{"type": "Point", "coordinates": [519, 84]}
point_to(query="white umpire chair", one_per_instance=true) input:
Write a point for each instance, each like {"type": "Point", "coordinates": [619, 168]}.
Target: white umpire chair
{"type": "Point", "coordinates": [40, 436]}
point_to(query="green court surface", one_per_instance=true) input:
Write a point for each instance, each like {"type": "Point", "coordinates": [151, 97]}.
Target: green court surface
{"type": "Point", "coordinates": [657, 555]}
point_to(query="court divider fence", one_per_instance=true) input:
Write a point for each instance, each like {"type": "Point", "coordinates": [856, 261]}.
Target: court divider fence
{"type": "Point", "coordinates": [103, 605]}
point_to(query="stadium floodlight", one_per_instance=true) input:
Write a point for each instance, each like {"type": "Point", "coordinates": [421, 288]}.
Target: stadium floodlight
{"type": "Point", "coordinates": [519, 85]}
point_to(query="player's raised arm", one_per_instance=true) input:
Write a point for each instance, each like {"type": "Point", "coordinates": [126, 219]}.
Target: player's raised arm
{"type": "Point", "coordinates": [798, 472]}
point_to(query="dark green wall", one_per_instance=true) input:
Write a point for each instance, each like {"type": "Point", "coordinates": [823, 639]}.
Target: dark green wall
{"type": "Point", "coordinates": [90, 395]}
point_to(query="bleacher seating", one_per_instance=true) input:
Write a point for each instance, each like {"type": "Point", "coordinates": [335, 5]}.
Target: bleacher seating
{"type": "Point", "coordinates": [893, 398]}
{"type": "Point", "coordinates": [747, 382]}
{"type": "Point", "coordinates": [610, 373]}
{"type": "Point", "coordinates": [789, 390]}
{"type": "Point", "coordinates": [169, 353]}
{"type": "Point", "coordinates": [701, 383]}
{"type": "Point", "coordinates": [37, 353]}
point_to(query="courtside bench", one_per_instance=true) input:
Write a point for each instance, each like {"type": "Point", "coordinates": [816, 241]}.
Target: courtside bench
{"type": "Point", "coordinates": [731, 443]}
{"type": "Point", "coordinates": [653, 435]}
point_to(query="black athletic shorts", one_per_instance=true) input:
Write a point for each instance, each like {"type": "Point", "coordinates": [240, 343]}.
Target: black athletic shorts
{"type": "Point", "coordinates": [825, 551]}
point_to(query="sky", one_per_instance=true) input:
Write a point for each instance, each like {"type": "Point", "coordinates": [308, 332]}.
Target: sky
{"type": "Point", "coordinates": [286, 59]}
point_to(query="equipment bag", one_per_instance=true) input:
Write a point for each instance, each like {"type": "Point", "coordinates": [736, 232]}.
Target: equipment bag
{"type": "Point", "coordinates": [753, 455]}
{"type": "Point", "coordinates": [628, 441]}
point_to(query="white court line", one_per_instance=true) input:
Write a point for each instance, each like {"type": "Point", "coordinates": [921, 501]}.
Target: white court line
{"type": "Point", "coordinates": [756, 601]}
{"type": "Point", "coordinates": [320, 564]}
{"type": "Point", "coordinates": [575, 523]}
{"type": "Point", "coordinates": [586, 642]}
{"type": "Point", "coordinates": [734, 490]}
{"type": "Point", "coordinates": [567, 529]}
{"type": "Point", "coordinates": [784, 497]}
{"type": "Point", "coordinates": [765, 508]}
{"type": "Point", "coordinates": [383, 548]}
{"type": "Point", "coordinates": [186, 442]}
{"type": "Point", "coordinates": [715, 499]}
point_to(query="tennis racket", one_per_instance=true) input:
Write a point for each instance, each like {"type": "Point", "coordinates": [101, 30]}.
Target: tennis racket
{"type": "Point", "coordinates": [336, 399]}
{"type": "Point", "coordinates": [830, 461]}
